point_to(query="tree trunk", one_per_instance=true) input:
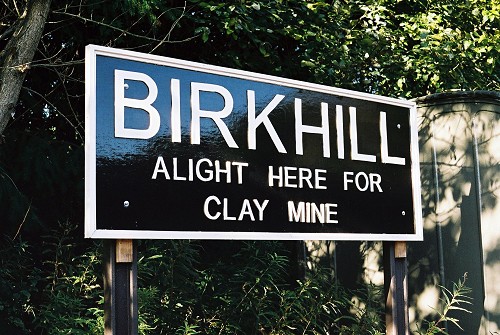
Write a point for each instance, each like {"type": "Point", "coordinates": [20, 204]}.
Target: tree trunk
{"type": "Point", "coordinates": [15, 59]}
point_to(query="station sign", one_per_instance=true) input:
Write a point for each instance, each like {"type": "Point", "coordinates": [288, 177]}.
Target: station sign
{"type": "Point", "coordinates": [182, 150]}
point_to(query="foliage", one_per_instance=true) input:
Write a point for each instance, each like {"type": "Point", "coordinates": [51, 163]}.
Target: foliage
{"type": "Point", "coordinates": [453, 300]}
{"type": "Point", "coordinates": [183, 292]}
{"type": "Point", "coordinates": [395, 48]}
{"type": "Point", "coordinates": [38, 170]}
{"type": "Point", "coordinates": [365, 312]}
{"type": "Point", "coordinates": [247, 293]}
{"type": "Point", "coordinates": [18, 284]}
{"type": "Point", "coordinates": [404, 48]}
{"type": "Point", "coordinates": [72, 288]}
{"type": "Point", "coordinates": [51, 285]}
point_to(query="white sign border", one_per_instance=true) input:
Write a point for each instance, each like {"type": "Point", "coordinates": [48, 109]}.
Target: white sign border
{"type": "Point", "coordinates": [91, 231]}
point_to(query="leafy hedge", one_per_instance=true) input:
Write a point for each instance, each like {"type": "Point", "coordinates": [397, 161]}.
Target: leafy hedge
{"type": "Point", "coordinates": [53, 285]}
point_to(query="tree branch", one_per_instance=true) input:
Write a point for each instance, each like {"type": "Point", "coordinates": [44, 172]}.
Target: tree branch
{"type": "Point", "coordinates": [124, 31]}
{"type": "Point", "coordinates": [17, 56]}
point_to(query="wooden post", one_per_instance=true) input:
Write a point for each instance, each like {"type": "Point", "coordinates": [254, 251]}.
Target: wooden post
{"type": "Point", "coordinates": [120, 288]}
{"type": "Point", "coordinates": [396, 288]}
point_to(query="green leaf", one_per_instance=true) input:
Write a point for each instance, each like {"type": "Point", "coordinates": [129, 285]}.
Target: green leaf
{"type": "Point", "coordinates": [256, 6]}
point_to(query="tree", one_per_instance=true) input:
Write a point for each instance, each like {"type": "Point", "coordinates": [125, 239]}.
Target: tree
{"type": "Point", "coordinates": [24, 36]}
{"type": "Point", "coordinates": [404, 48]}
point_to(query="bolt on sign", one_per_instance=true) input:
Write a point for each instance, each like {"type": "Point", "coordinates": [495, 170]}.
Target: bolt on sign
{"type": "Point", "coordinates": [177, 149]}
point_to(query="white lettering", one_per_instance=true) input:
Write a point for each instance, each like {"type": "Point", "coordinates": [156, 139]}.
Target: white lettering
{"type": "Point", "coordinates": [160, 168]}
{"type": "Point", "coordinates": [330, 212]}
{"type": "Point", "coordinates": [190, 176]}
{"type": "Point", "coordinates": [175, 111]}
{"type": "Point", "coordinates": [145, 104]}
{"type": "Point", "coordinates": [216, 116]}
{"type": "Point", "coordinates": [204, 170]}
{"type": "Point", "coordinates": [310, 212]}
{"type": "Point", "coordinates": [225, 211]}
{"type": "Point", "coordinates": [289, 177]}
{"type": "Point", "coordinates": [375, 180]}
{"type": "Point", "coordinates": [363, 181]}
{"type": "Point", "coordinates": [324, 129]}
{"type": "Point", "coordinates": [305, 176]}
{"type": "Point", "coordinates": [263, 118]}
{"type": "Point", "coordinates": [205, 207]}
{"type": "Point", "coordinates": [366, 184]}
{"type": "Point", "coordinates": [246, 209]}
{"type": "Point", "coordinates": [355, 155]}
{"type": "Point", "coordinates": [208, 172]}
{"type": "Point", "coordinates": [318, 179]}
{"type": "Point", "coordinates": [317, 213]}
{"type": "Point", "coordinates": [200, 108]}
{"type": "Point", "coordinates": [346, 179]}
{"type": "Point", "coordinates": [261, 207]}
{"type": "Point", "coordinates": [239, 170]}
{"type": "Point", "coordinates": [296, 214]}
{"type": "Point", "coordinates": [200, 97]}
{"type": "Point", "coordinates": [219, 171]}
{"type": "Point", "coordinates": [293, 177]}
{"type": "Point", "coordinates": [272, 176]}
{"type": "Point", "coordinates": [339, 119]}
{"type": "Point", "coordinates": [176, 176]}
{"type": "Point", "coordinates": [384, 147]}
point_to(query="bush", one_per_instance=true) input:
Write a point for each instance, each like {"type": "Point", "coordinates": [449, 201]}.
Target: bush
{"type": "Point", "coordinates": [54, 286]}
{"type": "Point", "coordinates": [51, 285]}
{"type": "Point", "coordinates": [18, 283]}
{"type": "Point", "coordinates": [246, 293]}
{"type": "Point", "coordinates": [71, 299]}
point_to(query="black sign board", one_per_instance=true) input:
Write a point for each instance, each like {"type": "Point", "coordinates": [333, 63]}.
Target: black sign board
{"type": "Point", "coordinates": [177, 149]}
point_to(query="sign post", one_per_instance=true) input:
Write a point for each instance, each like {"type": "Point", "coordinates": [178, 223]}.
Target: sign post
{"type": "Point", "coordinates": [120, 288]}
{"type": "Point", "coordinates": [241, 155]}
{"type": "Point", "coordinates": [396, 288]}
